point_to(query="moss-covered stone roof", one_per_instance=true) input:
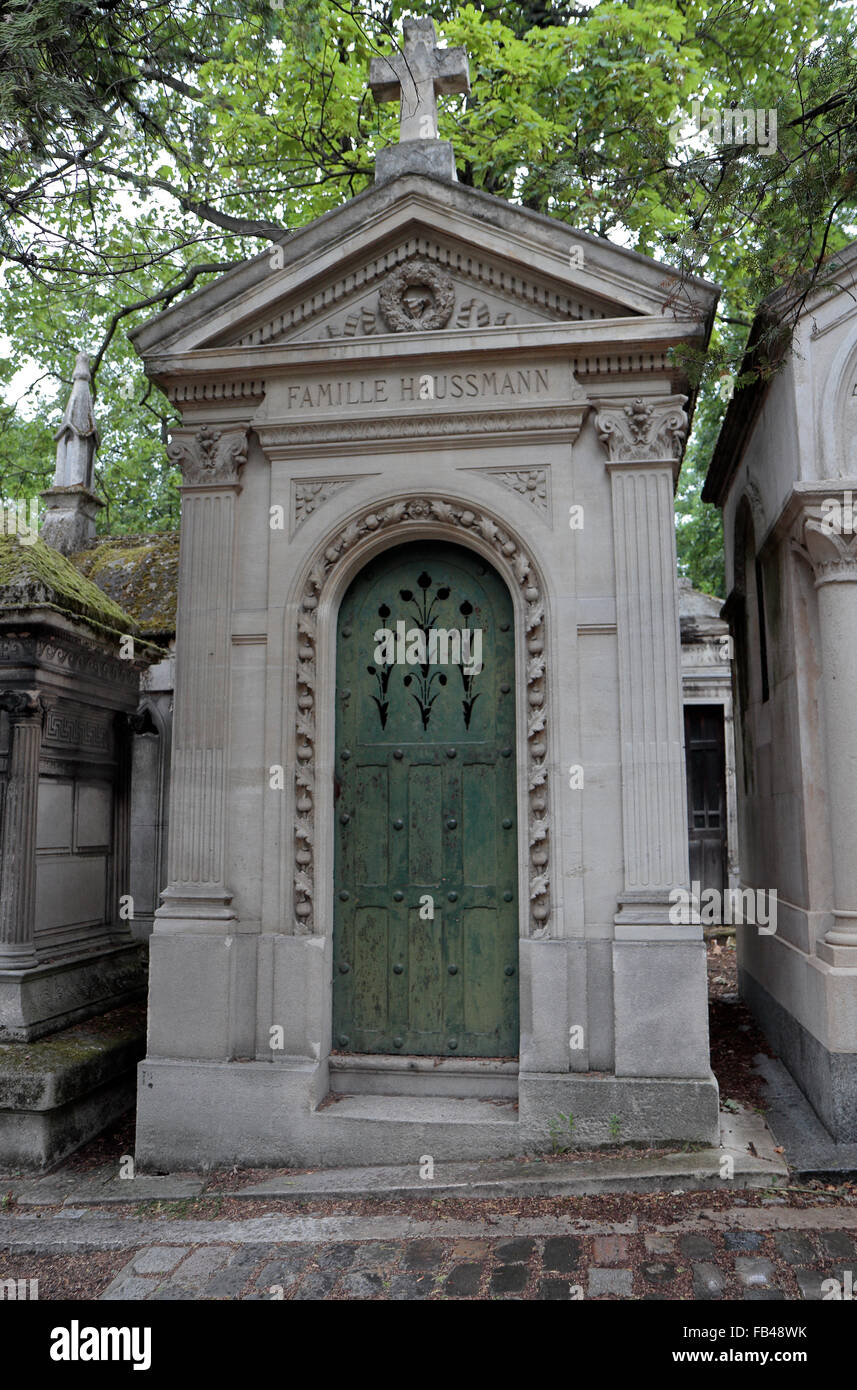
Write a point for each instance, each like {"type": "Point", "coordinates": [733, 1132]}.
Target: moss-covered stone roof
{"type": "Point", "coordinates": [34, 575]}
{"type": "Point", "coordinates": [139, 572]}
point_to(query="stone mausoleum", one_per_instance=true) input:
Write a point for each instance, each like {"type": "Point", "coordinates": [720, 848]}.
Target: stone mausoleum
{"type": "Point", "coordinates": [785, 474]}
{"type": "Point", "coordinates": [418, 903]}
{"type": "Point", "coordinates": [71, 664]}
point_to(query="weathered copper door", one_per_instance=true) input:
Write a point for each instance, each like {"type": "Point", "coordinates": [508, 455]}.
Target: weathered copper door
{"type": "Point", "coordinates": [426, 863]}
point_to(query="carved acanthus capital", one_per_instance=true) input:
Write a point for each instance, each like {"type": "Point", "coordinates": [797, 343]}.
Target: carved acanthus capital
{"type": "Point", "coordinates": [830, 548]}
{"type": "Point", "coordinates": [643, 430]}
{"type": "Point", "coordinates": [209, 455]}
{"type": "Point", "coordinates": [23, 704]}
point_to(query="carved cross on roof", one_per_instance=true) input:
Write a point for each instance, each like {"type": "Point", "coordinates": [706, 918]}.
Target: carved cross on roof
{"type": "Point", "coordinates": [416, 76]}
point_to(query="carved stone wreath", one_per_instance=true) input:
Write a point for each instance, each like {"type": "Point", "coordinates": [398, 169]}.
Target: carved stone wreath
{"type": "Point", "coordinates": [513, 558]}
{"type": "Point", "coordinates": [409, 278]}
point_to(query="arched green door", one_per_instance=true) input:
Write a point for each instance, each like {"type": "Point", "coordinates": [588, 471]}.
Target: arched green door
{"type": "Point", "coordinates": [426, 864]}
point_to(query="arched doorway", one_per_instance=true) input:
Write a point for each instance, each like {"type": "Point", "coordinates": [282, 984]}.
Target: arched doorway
{"type": "Point", "coordinates": [426, 855]}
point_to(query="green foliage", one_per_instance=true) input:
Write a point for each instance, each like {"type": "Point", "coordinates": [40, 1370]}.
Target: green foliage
{"type": "Point", "coordinates": [150, 145]}
{"type": "Point", "coordinates": [560, 1129]}
{"type": "Point", "coordinates": [699, 526]}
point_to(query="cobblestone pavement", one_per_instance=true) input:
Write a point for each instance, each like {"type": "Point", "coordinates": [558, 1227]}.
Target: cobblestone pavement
{"type": "Point", "coordinates": [739, 1264]}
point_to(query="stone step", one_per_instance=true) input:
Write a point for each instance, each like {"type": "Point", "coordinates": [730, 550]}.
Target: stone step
{"type": "Point", "coordinates": [423, 1110]}
{"type": "Point", "coordinates": [350, 1128]}
{"type": "Point", "coordinates": [467, 1077]}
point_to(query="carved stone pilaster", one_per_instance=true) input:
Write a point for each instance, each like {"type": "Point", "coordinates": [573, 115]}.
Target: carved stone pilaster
{"type": "Point", "coordinates": [210, 460]}
{"type": "Point", "coordinates": [123, 730]}
{"type": "Point", "coordinates": [644, 440]}
{"type": "Point", "coordinates": [18, 843]}
{"type": "Point", "coordinates": [832, 552]}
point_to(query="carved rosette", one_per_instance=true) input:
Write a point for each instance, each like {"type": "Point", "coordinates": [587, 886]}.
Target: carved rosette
{"type": "Point", "coordinates": [517, 563]}
{"type": "Point", "coordinates": [529, 483]}
{"type": "Point", "coordinates": [308, 496]}
{"type": "Point", "coordinates": [209, 456]}
{"type": "Point", "coordinates": [644, 430]}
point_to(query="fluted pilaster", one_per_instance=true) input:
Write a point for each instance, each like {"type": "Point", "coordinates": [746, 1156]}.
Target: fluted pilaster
{"type": "Point", "coordinates": [18, 853]}
{"type": "Point", "coordinates": [210, 462]}
{"type": "Point", "coordinates": [644, 438]}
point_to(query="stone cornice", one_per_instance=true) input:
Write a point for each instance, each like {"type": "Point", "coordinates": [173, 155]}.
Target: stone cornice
{"type": "Point", "coordinates": [643, 429]}
{"type": "Point", "coordinates": [626, 336]}
{"type": "Point", "coordinates": [47, 651]}
{"type": "Point", "coordinates": [804, 501]}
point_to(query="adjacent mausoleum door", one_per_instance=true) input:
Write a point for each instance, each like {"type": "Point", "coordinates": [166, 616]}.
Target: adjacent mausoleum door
{"type": "Point", "coordinates": [426, 866]}
{"type": "Point", "coordinates": [706, 794]}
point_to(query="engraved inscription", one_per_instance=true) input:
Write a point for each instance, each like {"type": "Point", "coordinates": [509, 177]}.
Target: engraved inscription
{"type": "Point", "coordinates": [407, 389]}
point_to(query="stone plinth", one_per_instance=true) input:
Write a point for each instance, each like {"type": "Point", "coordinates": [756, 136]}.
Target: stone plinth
{"type": "Point", "coordinates": [57, 1093]}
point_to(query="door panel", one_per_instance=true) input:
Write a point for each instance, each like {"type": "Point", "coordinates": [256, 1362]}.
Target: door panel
{"type": "Point", "coordinates": [426, 862]}
{"type": "Point", "coordinates": [706, 794]}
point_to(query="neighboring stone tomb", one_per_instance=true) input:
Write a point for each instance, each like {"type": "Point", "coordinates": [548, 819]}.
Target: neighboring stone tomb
{"type": "Point", "coordinates": [785, 473]}
{"type": "Point", "coordinates": [430, 900]}
{"type": "Point", "coordinates": [70, 668]}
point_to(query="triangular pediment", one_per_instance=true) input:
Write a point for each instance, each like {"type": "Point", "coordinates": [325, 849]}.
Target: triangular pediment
{"type": "Point", "coordinates": [417, 254]}
{"type": "Point", "coordinates": [423, 281]}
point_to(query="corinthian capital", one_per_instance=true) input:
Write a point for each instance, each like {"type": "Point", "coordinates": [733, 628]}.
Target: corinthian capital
{"type": "Point", "coordinates": [209, 455]}
{"type": "Point", "coordinates": [22, 704]}
{"type": "Point", "coordinates": [647, 429]}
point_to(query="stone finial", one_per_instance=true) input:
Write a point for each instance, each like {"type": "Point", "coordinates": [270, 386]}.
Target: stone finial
{"type": "Point", "coordinates": [416, 76]}
{"type": "Point", "coordinates": [77, 437]}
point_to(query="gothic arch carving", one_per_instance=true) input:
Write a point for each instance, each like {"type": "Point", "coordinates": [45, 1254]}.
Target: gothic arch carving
{"type": "Point", "coordinates": [458, 522]}
{"type": "Point", "coordinates": [834, 430]}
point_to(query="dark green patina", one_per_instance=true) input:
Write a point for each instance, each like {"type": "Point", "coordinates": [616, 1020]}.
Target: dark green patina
{"type": "Point", "coordinates": [425, 807]}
